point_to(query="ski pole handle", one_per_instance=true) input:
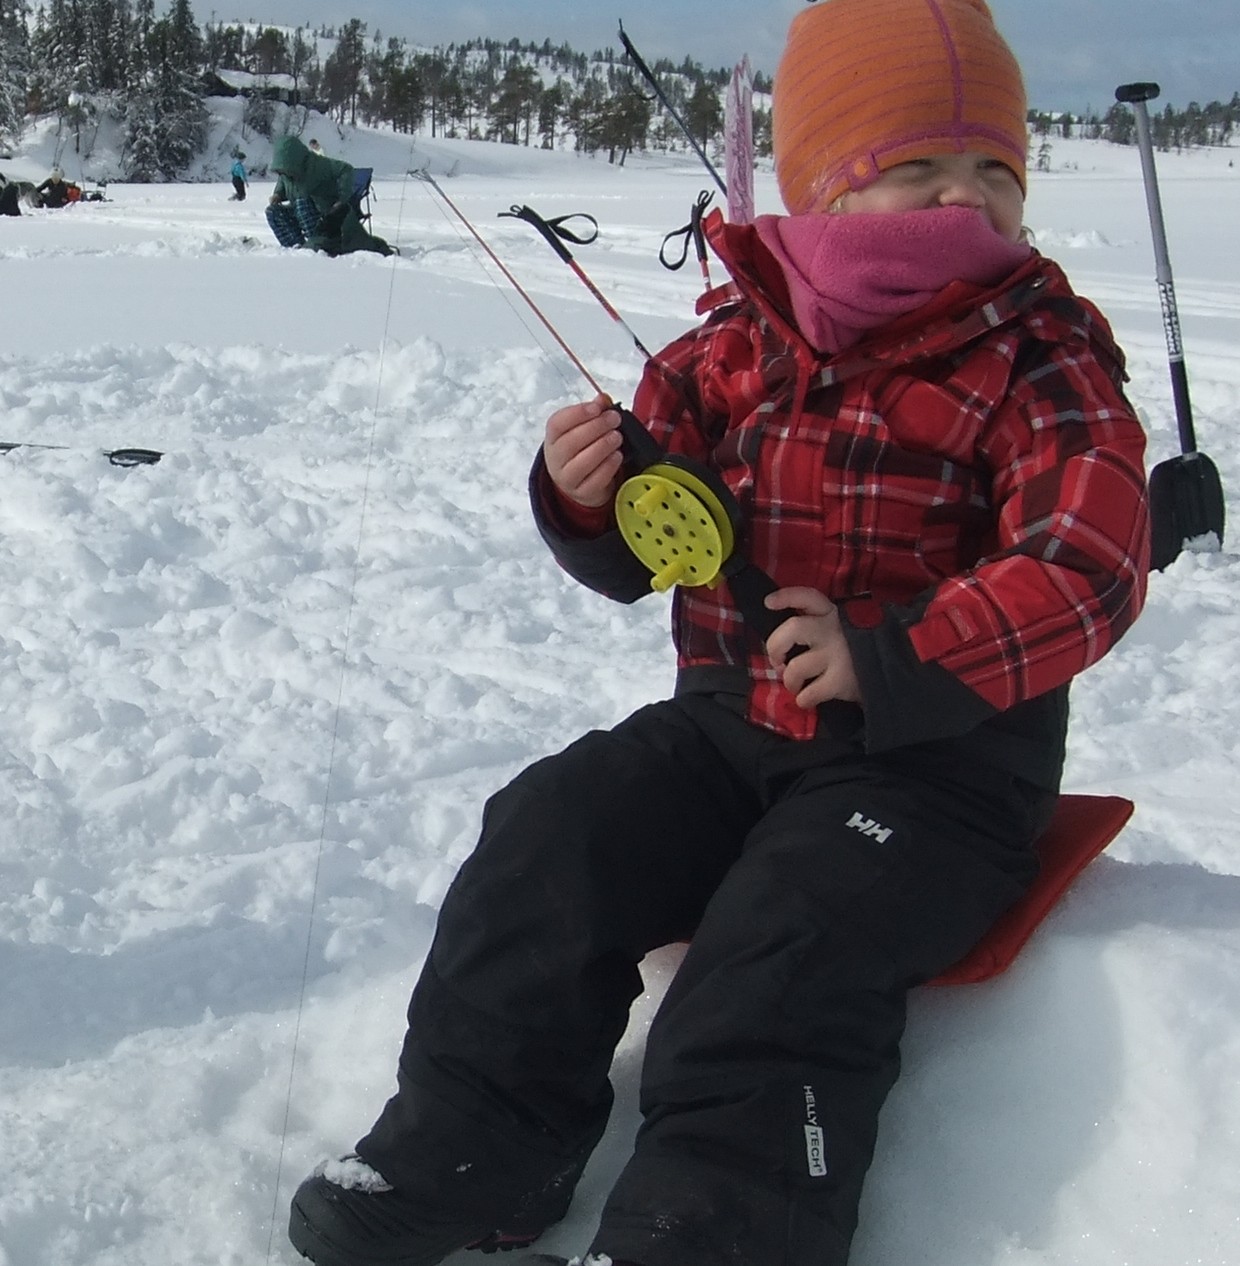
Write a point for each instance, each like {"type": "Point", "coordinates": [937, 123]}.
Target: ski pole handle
{"type": "Point", "coordinates": [1136, 95]}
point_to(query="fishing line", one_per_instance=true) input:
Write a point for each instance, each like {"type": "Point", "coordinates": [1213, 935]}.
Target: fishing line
{"type": "Point", "coordinates": [335, 734]}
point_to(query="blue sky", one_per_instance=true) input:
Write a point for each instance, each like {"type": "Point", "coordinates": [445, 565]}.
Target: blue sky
{"type": "Point", "coordinates": [1074, 52]}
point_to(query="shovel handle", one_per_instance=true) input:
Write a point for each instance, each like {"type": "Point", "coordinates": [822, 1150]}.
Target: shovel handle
{"type": "Point", "coordinates": [1137, 94]}
{"type": "Point", "coordinates": [1128, 93]}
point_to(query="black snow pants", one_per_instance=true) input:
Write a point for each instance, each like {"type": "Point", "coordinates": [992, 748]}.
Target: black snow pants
{"type": "Point", "coordinates": [819, 886]}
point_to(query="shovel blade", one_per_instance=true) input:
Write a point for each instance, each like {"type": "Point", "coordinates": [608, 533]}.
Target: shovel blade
{"type": "Point", "coordinates": [1186, 502]}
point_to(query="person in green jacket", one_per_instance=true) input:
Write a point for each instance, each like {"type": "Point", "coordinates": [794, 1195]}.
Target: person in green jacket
{"type": "Point", "coordinates": [312, 203]}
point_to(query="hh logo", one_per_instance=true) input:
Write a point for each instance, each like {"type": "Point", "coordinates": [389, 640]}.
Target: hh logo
{"type": "Point", "coordinates": [867, 826]}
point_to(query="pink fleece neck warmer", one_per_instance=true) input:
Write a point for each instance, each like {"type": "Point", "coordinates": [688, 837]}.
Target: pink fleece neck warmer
{"type": "Point", "coordinates": [848, 274]}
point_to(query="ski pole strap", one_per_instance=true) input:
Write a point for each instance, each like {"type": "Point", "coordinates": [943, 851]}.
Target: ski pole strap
{"type": "Point", "coordinates": [554, 231]}
{"type": "Point", "coordinates": [691, 232]}
{"type": "Point", "coordinates": [133, 456]}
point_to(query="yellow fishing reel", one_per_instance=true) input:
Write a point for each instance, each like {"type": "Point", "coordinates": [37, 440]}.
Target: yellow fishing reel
{"type": "Point", "coordinates": [680, 520]}
{"type": "Point", "coordinates": [684, 523]}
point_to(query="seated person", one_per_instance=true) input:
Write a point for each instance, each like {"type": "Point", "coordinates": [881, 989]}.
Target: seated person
{"type": "Point", "coordinates": [8, 197]}
{"type": "Point", "coordinates": [312, 203]}
{"type": "Point", "coordinates": [54, 191]}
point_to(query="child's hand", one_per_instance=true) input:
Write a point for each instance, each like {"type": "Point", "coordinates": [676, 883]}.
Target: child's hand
{"type": "Point", "coordinates": [582, 451]}
{"type": "Point", "coordinates": [824, 669]}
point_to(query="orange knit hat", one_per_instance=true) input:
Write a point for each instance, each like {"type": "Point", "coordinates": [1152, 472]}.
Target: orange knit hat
{"type": "Point", "coordinates": [864, 85]}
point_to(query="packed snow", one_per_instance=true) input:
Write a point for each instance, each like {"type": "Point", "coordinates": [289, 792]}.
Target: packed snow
{"type": "Point", "coordinates": [255, 695]}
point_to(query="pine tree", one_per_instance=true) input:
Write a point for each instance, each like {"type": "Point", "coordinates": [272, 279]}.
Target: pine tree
{"type": "Point", "coordinates": [108, 26]}
{"type": "Point", "coordinates": [183, 50]}
{"type": "Point", "coordinates": [550, 110]}
{"type": "Point", "coordinates": [703, 113]}
{"type": "Point", "coordinates": [342, 73]}
{"type": "Point", "coordinates": [626, 122]}
{"type": "Point", "coordinates": [141, 137]}
{"type": "Point", "coordinates": [140, 51]}
{"type": "Point", "coordinates": [166, 124]}
{"type": "Point", "coordinates": [302, 56]}
{"type": "Point", "coordinates": [14, 67]}
{"type": "Point", "coordinates": [58, 46]}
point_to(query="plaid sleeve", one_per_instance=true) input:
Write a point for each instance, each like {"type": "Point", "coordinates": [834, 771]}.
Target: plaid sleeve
{"type": "Point", "coordinates": [1067, 578]}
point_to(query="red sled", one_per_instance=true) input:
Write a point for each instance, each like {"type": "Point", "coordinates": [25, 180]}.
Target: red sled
{"type": "Point", "coordinates": [1080, 829]}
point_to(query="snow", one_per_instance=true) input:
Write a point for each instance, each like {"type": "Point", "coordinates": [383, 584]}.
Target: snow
{"type": "Point", "coordinates": [254, 697]}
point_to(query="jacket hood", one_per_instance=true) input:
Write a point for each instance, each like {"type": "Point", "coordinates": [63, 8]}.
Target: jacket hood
{"type": "Point", "coordinates": [289, 157]}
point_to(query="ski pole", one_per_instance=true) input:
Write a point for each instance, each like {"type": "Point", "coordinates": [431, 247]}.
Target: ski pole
{"type": "Point", "coordinates": [648, 75]}
{"type": "Point", "coordinates": [554, 233]}
{"type": "Point", "coordinates": [691, 232]}
{"type": "Point", "coordinates": [117, 456]}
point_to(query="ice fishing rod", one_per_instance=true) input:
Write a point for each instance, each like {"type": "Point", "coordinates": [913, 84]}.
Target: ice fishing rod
{"type": "Point", "coordinates": [676, 515]}
{"type": "Point", "coordinates": [125, 457]}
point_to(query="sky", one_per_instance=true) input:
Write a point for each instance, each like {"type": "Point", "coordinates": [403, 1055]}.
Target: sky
{"type": "Point", "coordinates": [255, 696]}
{"type": "Point", "coordinates": [1074, 54]}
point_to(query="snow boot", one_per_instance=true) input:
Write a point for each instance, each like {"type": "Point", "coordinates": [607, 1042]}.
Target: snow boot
{"type": "Point", "coordinates": [346, 1214]}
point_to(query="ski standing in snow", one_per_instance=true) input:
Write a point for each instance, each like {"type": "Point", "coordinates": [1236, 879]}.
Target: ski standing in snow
{"type": "Point", "coordinates": [926, 432]}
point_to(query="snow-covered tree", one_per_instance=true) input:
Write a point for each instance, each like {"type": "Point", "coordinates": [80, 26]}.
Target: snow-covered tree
{"type": "Point", "coordinates": [183, 46]}
{"type": "Point", "coordinates": [14, 67]}
{"type": "Point", "coordinates": [142, 138]}
{"type": "Point", "coordinates": [59, 53]}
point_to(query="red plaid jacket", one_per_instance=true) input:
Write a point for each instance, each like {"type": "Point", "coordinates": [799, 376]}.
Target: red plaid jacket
{"type": "Point", "coordinates": [967, 485]}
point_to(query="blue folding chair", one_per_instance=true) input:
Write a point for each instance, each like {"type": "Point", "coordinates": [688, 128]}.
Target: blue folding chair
{"type": "Point", "coordinates": [361, 192]}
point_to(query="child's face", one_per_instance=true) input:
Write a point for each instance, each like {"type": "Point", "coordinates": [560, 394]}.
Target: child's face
{"type": "Point", "coordinates": [947, 180]}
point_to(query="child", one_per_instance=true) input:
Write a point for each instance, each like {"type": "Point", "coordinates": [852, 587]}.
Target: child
{"type": "Point", "coordinates": [238, 177]}
{"type": "Point", "coordinates": [926, 432]}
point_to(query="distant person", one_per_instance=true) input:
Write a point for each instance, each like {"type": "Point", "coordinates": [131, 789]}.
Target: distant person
{"type": "Point", "coordinates": [312, 203]}
{"type": "Point", "coordinates": [8, 197]}
{"type": "Point", "coordinates": [238, 178]}
{"type": "Point", "coordinates": [315, 147]}
{"type": "Point", "coordinates": [54, 191]}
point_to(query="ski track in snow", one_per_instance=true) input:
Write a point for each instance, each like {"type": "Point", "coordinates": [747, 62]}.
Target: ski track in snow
{"type": "Point", "coordinates": [283, 668]}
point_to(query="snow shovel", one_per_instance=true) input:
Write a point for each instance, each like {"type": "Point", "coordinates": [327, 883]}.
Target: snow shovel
{"type": "Point", "coordinates": [1186, 494]}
